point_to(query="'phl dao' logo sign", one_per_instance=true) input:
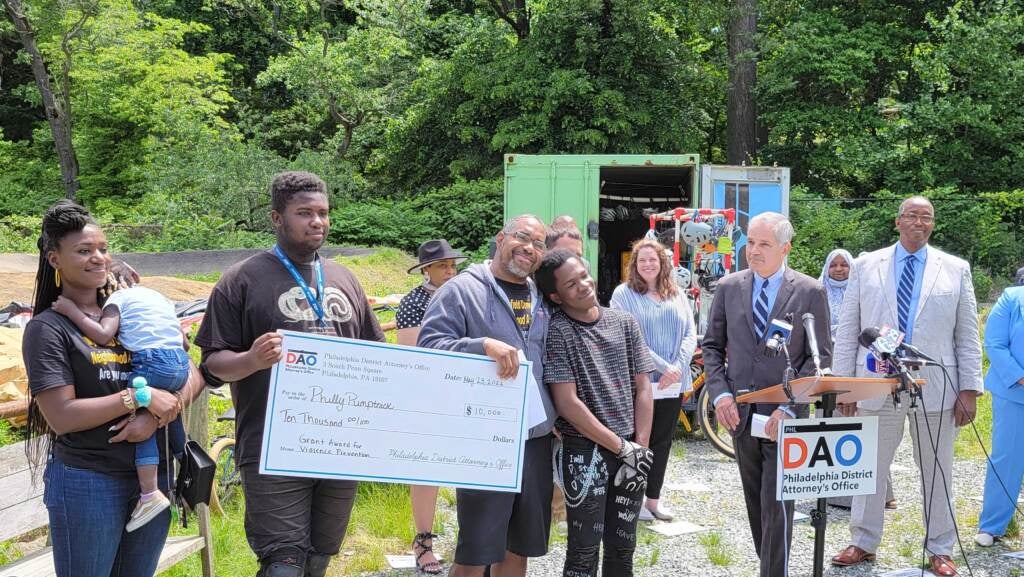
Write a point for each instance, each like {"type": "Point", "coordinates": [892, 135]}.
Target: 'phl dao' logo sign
{"type": "Point", "coordinates": [821, 458]}
{"type": "Point", "coordinates": [304, 362]}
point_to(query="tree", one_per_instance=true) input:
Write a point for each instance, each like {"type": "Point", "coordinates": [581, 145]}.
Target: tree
{"type": "Point", "coordinates": [57, 104]}
{"type": "Point", "coordinates": [336, 86]}
{"type": "Point", "coordinates": [741, 111]}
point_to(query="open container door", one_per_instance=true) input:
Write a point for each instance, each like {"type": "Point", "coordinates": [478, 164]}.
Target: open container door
{"type": "Point", "coordinates": [751, 190]}
{"type": "Point", "coordinates": [607, 194]}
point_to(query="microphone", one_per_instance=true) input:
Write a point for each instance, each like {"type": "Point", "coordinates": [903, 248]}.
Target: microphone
{"type": "Point", "coordinates": [779, 333]}
{"type": "Point", "coordinates": [878, 366]}
{"type": "Point", "coordinates": [887, 342]}
{"type": "Point", "coordinates": [812, 340]}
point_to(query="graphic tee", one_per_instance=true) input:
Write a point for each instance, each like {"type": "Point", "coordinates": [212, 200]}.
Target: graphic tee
{"type": "Point", "coordinates": [258, 296]}
{"type": "Point", "coordinates": [601, 358]}
{"type": "Point", "coordinates": [57, 354]}
{"type": "Point", "coordinates": [521, 299]}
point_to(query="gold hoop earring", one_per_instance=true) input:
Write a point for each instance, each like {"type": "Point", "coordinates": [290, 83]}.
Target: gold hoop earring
{"type": "Point", "coordinates": [56, 278]}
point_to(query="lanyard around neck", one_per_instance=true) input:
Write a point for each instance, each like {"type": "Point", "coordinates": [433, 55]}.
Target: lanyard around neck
{"type": "Point", "coordinates": [314, 301]}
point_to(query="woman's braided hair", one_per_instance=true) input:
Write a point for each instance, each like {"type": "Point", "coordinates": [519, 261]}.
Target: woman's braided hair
{"type": "Point", "coordinates": [61, 219]}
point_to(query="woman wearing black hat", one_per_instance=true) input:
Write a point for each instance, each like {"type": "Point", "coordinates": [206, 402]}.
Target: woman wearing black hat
{"type": "Point", "coordinates": [437, 263]}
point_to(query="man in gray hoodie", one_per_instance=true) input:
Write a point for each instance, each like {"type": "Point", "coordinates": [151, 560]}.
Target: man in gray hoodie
{"type": "Point", "coordinates": [494, 309]}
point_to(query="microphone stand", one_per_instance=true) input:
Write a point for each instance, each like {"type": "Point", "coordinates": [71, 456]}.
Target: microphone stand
{"type": "Point", "coordinates": [786, 373]}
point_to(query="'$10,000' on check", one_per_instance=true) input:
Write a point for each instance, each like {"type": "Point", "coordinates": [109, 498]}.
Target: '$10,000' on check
{"type": "Point", "coordinates": [348, 409]}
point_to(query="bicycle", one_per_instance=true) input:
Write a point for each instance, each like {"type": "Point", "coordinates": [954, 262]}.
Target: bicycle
{"type": "Point", "coordinates": [228, 480]}
{"type": "Point", "coordinates": [703, 410]}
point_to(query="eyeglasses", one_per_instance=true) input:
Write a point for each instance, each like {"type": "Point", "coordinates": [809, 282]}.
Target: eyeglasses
{"type": "Point", "coordinates": [525, 238]}
{"type": "Point", "coordinates": [923, 218]}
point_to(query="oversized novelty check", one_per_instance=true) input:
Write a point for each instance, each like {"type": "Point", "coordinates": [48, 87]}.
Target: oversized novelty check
{"type": "Point", "coordinates": [348, 409]}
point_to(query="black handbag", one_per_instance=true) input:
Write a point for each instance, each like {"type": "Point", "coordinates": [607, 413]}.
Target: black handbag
{"type": "Point", "coordinates": [195, 477]}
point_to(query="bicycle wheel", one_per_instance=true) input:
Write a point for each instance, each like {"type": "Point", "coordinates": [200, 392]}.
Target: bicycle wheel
{"type": "Point", "coordinates": [720, 437]}
{"type": "Point", "coordinates": [228, 477]}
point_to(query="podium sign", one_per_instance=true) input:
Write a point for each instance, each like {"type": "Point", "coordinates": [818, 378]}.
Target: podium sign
{"type": "Point", "coordinates": [821, 458]}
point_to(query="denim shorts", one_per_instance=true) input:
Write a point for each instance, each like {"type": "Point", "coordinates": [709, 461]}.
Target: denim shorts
{"type": "Point", "coordinates": [165, 369]}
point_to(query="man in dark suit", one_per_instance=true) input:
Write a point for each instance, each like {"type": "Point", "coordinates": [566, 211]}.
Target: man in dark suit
{"type": "Point", "coordinates": [741, 314]}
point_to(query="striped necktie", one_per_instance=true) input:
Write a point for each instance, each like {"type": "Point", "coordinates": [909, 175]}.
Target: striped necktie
{"type": "Point", "coordinates": [761, 311]}
{"type": "Point", "coordinates": [905, 292]}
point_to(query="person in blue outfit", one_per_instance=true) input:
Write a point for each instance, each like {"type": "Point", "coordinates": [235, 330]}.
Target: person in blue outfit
{"type": "Point", "coordinates": [1004, 343]}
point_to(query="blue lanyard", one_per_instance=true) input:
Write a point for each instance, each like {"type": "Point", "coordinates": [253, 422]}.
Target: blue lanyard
{"type": "Point", "coordinates": [314, 302]}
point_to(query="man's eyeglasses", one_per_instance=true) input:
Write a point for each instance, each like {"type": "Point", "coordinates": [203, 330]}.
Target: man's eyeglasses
{"type": "Point", "coordinates": [923, 218]}
{"type": "Point", "coordinates": [525, 238]}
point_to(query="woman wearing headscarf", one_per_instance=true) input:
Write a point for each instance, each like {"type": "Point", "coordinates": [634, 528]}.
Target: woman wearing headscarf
{"type": "Point", "coordinates": [834, 276]}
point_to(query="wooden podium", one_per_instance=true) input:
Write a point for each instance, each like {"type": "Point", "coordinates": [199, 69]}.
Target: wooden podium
{"type": "Point", "coordinates": [826, 390]}
{"type": "Point", "coordinates": [808, 390]}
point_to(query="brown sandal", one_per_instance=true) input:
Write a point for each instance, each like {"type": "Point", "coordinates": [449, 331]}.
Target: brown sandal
{"type": "Point", "coordinates": [420, 541]}
{"type": "Point", "coordinates": [852, 555]}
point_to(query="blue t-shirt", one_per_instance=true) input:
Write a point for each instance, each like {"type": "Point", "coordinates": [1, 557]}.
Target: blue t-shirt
{"type": "Point", "coordinates": [147, 319]}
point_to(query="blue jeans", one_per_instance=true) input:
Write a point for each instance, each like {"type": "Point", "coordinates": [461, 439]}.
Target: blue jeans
{"type": "Point", "coordinates": [165, 369]}
{"type": "Point", "coordinates": [88, 512]}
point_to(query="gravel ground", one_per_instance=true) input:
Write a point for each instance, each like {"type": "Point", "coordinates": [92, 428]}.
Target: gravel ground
{"type": "Point", "coordinates": [719, 508]}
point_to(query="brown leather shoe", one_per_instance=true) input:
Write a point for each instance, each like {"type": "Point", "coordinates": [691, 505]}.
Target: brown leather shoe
{"type": "Point", "coordinates": [852, 555]}
{"type": "Point", "coordinates": [942, 565]}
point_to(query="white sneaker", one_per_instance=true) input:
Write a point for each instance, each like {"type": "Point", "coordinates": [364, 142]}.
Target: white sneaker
{"type": "Point", "coordinates": [146, 512]}
{"type": "Point", "coordinates": [645, 514]}
{"type": "Point", "coordinates": [984, 539]}
{"type": "Point", "coordinates": [662, 513]}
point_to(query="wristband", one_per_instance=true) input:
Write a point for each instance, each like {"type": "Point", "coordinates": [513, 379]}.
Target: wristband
{"type": "Point", "coordinates": [143, 396]}
{"type": "Point", "coordinates": [129, 402]}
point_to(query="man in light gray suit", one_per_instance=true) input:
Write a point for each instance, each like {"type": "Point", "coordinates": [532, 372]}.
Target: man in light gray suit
{"type": "Point", "coordinates": [745, 304]}
{"type": "Point", "coordinates": [928, 295]}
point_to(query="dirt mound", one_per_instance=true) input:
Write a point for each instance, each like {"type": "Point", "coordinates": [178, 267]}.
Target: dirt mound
{"type": "Point", "coordinates": [18, 287]}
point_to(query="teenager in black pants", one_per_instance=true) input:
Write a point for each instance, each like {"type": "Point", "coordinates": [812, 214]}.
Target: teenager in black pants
{"type": "Point", "coordinates": [596, 366]}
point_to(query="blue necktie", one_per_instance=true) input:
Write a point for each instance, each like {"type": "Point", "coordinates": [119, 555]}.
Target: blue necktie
{"type": "Point", "coordinates": [905, 292]}
{"type": "Point", "coordinates": [761, 311]}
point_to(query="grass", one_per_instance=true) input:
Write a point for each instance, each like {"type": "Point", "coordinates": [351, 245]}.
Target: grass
{"type": "Point", "coordinates": [382, 272]}
{"type": "Point", "coordinates": [210, 277]}
{"type": "Point", "coordinates": [647, 551]}
{"type": "Point", "coordinates": [967, 445]}
{"type": "Point", "coordinates": [718, 552]}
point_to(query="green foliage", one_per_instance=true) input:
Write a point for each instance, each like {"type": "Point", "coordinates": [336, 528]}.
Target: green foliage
{"type": "Point", "coordinates": [8, 435]}
{"type": "Point", "coordinates": [184, 109]}
{"type": "Point", "coordinates": [978, 229]}
{"type": "Point", "coordinates": [36, 182]}
{"type": "Point", "coordinates": [335, 86]}
{"type": "Point", "coordinates": [467, 214]}
{"type": "Point", "coordinates": [19, 233]}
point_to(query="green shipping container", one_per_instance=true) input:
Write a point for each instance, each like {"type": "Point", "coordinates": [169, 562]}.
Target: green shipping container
{"type": "Point", "coordinates": [608, 195]}
{"type": "Point", "coordinates": [582, 186]}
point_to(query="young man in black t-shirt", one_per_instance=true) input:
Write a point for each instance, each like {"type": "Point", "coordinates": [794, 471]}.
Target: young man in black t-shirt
{"type": "Point", "coordinates": [597, 366]}
{"type": "Point", "coordinates": [294, 525]}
